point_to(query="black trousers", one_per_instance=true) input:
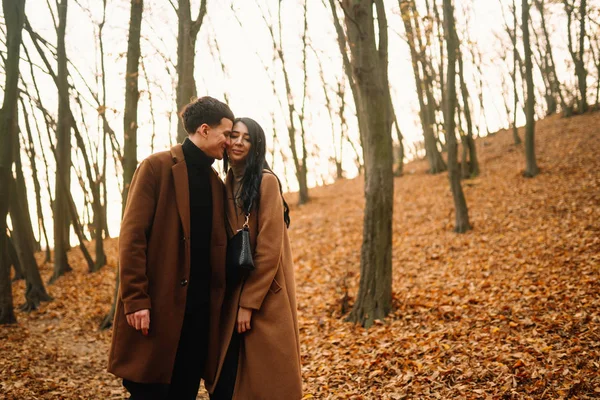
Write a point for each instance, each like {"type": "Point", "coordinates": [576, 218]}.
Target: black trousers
{"type": "Point", "coordinates": [226, 384]}
{"type": "Point", "coordinates": [189, 364]}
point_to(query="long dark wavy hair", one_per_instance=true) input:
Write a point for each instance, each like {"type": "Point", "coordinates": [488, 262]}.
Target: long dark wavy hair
{"type": "Point", "coordinates": [248, 194]}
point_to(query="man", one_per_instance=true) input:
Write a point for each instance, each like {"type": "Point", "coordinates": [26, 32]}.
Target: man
{"type": "Point", "coordinates": [172, 250]}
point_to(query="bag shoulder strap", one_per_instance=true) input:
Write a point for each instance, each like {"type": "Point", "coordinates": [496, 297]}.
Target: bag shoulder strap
{"type": "Point", "coordinates": [227, 224]}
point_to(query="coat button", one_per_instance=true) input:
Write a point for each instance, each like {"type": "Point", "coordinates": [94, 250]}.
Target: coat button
{"type": "Point", "coordinates": [184, 282]}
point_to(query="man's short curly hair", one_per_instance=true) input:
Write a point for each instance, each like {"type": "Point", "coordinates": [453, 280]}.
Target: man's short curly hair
{"type": "Point", "coordinates": [205, 110]}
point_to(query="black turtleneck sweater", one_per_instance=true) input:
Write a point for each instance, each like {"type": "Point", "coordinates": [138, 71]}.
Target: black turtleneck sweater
{"type": "Point", "coordinates": [199, 170]}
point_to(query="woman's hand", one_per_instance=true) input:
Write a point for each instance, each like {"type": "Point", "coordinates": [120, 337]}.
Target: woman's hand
{"type": "Point", "coordinates": [243, 319]}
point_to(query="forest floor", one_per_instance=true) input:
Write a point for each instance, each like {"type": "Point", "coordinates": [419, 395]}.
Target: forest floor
{"type": "Point", "coordinates": [509, 310]}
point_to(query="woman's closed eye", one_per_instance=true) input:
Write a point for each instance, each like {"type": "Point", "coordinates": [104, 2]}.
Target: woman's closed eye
{"type": "Point", "coordinates": [234, 137]}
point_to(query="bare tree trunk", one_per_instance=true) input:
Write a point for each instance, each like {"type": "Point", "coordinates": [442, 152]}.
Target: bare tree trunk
{"type": "Point", "coordinates": [440, 37]}
{"type": "Point", "coordinates": [460, 204]}
{"type": "Point", "coordinates": [77, 227]}
{"type": "Point", "coordinates": [14, 16]}
{"type": "Point", "coordinates": [108, 320]}
{"type": "Point", "coordinates": [342, 45]}
{"type": "Point", "coordinates": [300, 160]}
{"type": "Point", "coordinates": [186, 52]}
{"type": "Point", "coordinates": [432, 138]}
{"type": "Point", "coordinates": [129, 121]}
{"type": "Point", "coordinates": [596, 56]}
{"type": "Point", "coordinates": [473, 169]}
{"type": "Point", "coordinates": [580, 65]}
{"type": "Point", "coordinates": [577, 56]}
{"type": "Point", "coordinates": [341, 93]}
{"type": "Point", "coordinates": [337, 157]}
{"type": "Point", "coordinates": [543, 63]}
{"type": "Point", "coordinates": [436, 162]}
{"type": "Point", "coordinates": [369, 67]}
{"type": "Point", "coordinates": [98, 184]}
{"type": "Point", "coordinates": [516, 57]}
{"type": "Point", "coordinates": [132, 95]}
{"type": "Point", "coordinates": [302, 167]}
{"type": "Point", "coordinates": [48, 122]}
{"type": "Point", "coordinates": [13, 259]}
{"type": "Point", "coordinates": [556, 85]}
{"type": "Point", "coordinates": [36, 181]}
{"type": "Point", "coordinates": [531, 169]}
{"type": "Point", "coordinates": [20, 191]}
{"type": "Point", "coordinates": [96, 206]}
{"type": "Point", "coordinates": [35, 292]}
{"type": "Point", "coordinates": [22, 233]}
{"type": "Point", "coordinates": [63, 154]}
{"type": "Point", "coordinates": [399, 171]}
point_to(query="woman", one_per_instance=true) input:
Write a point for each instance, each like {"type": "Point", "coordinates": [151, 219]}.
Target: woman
{"type": "Point", "coordinates": [261, 353]}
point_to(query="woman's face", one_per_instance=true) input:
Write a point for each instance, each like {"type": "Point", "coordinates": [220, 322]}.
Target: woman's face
{"type": "Point", "coordinates": [239, 144]}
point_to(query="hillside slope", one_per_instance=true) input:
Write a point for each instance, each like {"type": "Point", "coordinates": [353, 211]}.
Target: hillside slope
{"type": "Point", "coordinates": [508, 310]}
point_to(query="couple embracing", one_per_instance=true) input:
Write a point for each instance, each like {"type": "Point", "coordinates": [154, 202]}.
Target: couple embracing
{"type": "Point", "coordinates": [179, 317]}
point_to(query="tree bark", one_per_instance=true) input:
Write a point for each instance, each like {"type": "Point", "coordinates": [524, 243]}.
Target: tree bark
{"type": "Point", "coordinates": [63, 153]}
{"type": "Point", "coordinates": [460, 204]}
{"type": "Point", "coordinates": [35, 292]}
{"type": "Point", "coordinates": [337, 157]}
{"type": "Point", "coordinates": [473, 169]}
{"type": "Point", "coordinates": [14, 16]}
{"type": "Point", "coordinates": [555, 82]}
{"type": "Point", "coordinates": [516, 57]}
{"type": "Point", "coordinates": [399, 171]}
{"type": "Point", "coordinates": [531, 168]}
{"type": "Point", "coordinates": [132, 96]}
{"type": "Point", "coordinates": [36, 181]}
{"type": "Point", "coordinates": [97, 207]}
{"type": "Point", "coordinates": [369, 69]}
{"type": "Point", "coordinates": [436, 162]}
{"type": "Point", "coordinates": [20, 191]}
{"type": "Point", "coordinates": [580, 64]}
{"type": "Point", "coordinates": [108, 320]}
{"type": "Point", "coordinates": [577, 55]}
{"type": "Point", "coordinates": [186, 52]}
{"type": "Point", "coordinates": [13, 258]}
{"type": "Point", "coordinates": [129, 122]}
{"type": "Point", "coordinates": [302, 168]}
{"type": "Point", "coordinates": [22, 236]}
{"type": "Point", "coordinates": [343, 45]}
{"type": "Point", "coordinates": [300, 160]}
{"type": "Point", "coordinates": [543, 63]}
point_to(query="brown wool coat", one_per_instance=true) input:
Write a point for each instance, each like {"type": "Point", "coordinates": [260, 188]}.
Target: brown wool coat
{"type": "Point", "coordinates": [269, 360]}
{"type": "Point", "coordinates": [154, 259]}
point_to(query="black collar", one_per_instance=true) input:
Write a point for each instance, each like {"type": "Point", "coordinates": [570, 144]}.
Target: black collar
{"type": "Point", "coordinates": [194, 156]}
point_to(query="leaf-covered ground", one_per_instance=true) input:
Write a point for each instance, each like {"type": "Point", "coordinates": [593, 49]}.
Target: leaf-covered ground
{"type": "Point", "coordinates": [510, 310]}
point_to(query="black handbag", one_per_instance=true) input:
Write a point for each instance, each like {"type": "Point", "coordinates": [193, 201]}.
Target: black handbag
{"type": "Point", "coordinates": [239, 262]}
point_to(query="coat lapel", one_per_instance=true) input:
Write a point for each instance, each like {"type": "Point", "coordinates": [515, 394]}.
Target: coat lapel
{"type": "Point", "coordinates": [218, 236]}
{"type": "Point", "coordinates": [182, 188]}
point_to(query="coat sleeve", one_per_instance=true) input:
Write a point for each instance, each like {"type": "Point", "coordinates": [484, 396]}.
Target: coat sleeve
{"type": "Point", "coordinates": [269, 244]}
{"type": "Point", "coordinates": [133, 239]}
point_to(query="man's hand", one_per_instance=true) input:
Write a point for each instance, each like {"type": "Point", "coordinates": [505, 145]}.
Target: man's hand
{"type": "Point", "coordinates": [140, 320]}
{"type": "Point", "coordinates": [243, 319]}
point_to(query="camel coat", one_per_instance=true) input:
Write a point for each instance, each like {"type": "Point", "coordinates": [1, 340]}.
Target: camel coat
{"type": "Point", "coordinates": [269, 359]}
{"type": "Point", "coordinates": [154, 259]}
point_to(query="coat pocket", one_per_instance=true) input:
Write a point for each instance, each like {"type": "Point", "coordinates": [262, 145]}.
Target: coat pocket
{"type": "Point", "coordinates": [275, 286]}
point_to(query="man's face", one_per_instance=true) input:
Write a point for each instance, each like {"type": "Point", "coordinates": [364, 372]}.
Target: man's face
{"type": "Point", "coordinates": [217, 139]}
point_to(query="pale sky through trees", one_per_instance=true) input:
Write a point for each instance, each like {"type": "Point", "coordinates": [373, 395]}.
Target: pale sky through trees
{"type": "Point", "coordinates": [244, 50]}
